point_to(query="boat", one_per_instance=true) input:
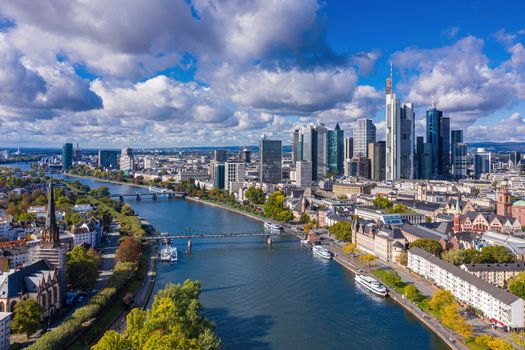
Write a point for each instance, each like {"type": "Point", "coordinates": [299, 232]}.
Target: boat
{"type": "Point", "coordinates": [174, 254]}
{"type": "Point", "coordinates": [165, 254]}
{"type": "Point", "coordinates": [322, 252]}
{"type": "Point", "coordinates": [305, 242]}
{"type": "Point", "coordinates": [371, 284]}
{"type": "Point", "coordinates": [153, 189]}
{"type": "Point", "coordinates": [269, 226]}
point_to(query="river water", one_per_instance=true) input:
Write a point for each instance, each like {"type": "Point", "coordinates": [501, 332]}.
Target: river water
{"type": "Point", "coordinates": [281, 297]}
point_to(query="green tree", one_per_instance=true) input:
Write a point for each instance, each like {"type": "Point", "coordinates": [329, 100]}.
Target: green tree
{"type": "Point", "coordinates": [255, 195]}
{"type": "Point", "coordinates": [26, 217]}
{"type": "Point", "coordinates": [127, 210]}
{"type": "Point", "coordinates": [81, 268]}
{"type": "Point", "coordinates": [112, 340]}
{"type": "Point", "coordinates": [440, 299]}
{"type": "Point", "coordinates": [27, 316]}
{"type": "Point", "coordinates": [275, 209]}
{"type": "Point", "coordinates": [497, 254]}
{"type": "Point", "coordinates": [304, 218]}
{"type": "Point", "coordinates": [398, 209]}
{"type": "Point", "coordinates": [430, 245]}
{"type": "Point", "coordinates": [403, 259]}
{"type": "Point", "coordinates": [367, 259]}
{"type": "Point", "coordinates": [381, 202]}
{"type": "Point", "coordinates": [73, 218]}
{"type": "Point", "coordinates": [517, 285]}
{"type": "Point", "coordinates": [342, 231]}
{"type": "Point", "coordinates": [411, 292]}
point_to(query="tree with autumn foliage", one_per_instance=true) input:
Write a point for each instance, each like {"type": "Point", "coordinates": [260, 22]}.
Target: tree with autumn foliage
{"type": "Point", "coordinates": [129, 250]}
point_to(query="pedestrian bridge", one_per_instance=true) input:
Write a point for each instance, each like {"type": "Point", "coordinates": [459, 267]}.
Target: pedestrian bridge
{"type": "Point", "coordinates": [154, 195]}
{"type": "Point", "coordinates": [192, 233]}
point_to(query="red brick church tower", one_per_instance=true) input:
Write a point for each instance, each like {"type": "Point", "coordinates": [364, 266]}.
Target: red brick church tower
{"type": "Point", "coordinates": [457, 218]}
{"type": "Point", "coordinates": [504, 202]}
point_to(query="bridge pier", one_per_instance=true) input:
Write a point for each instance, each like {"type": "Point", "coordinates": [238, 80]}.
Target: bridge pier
{"type": "Point", "coordinates": [137, 197]}
{"type": "Point", "coordinates": [154, 196]}
{"type": "Point", "coordinates": [189, 246]}
{"type": "Point", "coordinates": [170, 195]}
{"type": "Point", "coordinates": [269, 241]}
{"type": "Point", "coordinates": [121, 199]}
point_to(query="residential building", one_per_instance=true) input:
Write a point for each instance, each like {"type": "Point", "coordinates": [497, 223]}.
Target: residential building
{"type": "Point", "coordinates": [377, 155]}
{"type": "Point", "coordinates": [108, 159]}
{"type": "Point", "coordinates": [270, 161]}
{"type": "Point", "coordinates": [335, 144]}
{"type": "Point", "coordinates": [496, 274]}
{"type": "Point", "coordinates": [5, 330]}
{"type": "Point", "coordinates": [364, 134]}
{"type": "Point", "coordinates": [400, 136]}
{"type": "Point", "coordinates": [495, 303]}
{"type": "Point", "coordinates": [84, 234]}
{"type": "Point", "coordinates": [127, 160]}
{"type": "Point", "coordinates": [67, 156]}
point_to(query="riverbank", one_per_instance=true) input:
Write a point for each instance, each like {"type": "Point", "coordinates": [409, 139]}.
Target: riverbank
{"type": "Point", "coordinates": [222, 206]}
{"type": "Point", "coordinates": [107, 180]}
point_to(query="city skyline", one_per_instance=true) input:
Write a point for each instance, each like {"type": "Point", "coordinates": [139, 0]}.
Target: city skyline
{"type": "Point", "coordinates": [196, 74]}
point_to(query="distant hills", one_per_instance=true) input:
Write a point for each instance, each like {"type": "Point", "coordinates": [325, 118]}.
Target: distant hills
{"type": "Point", "coordinates": [503, 147]}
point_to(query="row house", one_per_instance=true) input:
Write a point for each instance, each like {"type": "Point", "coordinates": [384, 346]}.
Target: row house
{"type": "Point", "coordinates": [482, 222]}
{"type": "Point", "coordinates": [495, 303]}
{"type": "Point", "coordinates": [496, 274]}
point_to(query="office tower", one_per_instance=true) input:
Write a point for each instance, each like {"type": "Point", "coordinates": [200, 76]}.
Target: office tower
{"type": "Point", "coordinates": [459, 154]}
{"type": "Point", "coordinates": [149, 162]}
{"type": "Point", "coordinates": [418, 157]}
{"type": "Point", "coordinates": [482, 162]}
{"type": "Point", "coordinates": [358, 166]}
{"type": "Point", "coordinates": [364, 134]}
{"type": "Point", "coordinates": [233, 172]}
{"type": "Point", "coordinates": [67, 156]}
{"type": "Point", "coordinates": [107, 159]}
{"type": "Point", "coordinates": [310, 143]}
{"type": "Point", "coordinates": [127, 161]}
{"type": "Point", "coordinates": [219, 155]}
{"type": "Point", "coordinates": [438, 135]}
{"type": "Point", "coordinates": [218, 175]}
{"type": "Point", "coordinates": [377, 155]}
{"type": "Point", "coordinates": [246, 155]}
{"type": "Point", "coordinates": [303, 173]}
{"type": "Point", "coordinates": [400, 136]}
{"type": "Point", "coordinates": [515, 158]}
{"type": "Point", "coordinates": [335, 142]}
{"type": "Point", "coordinates": [78, 154]}
{"type": "Point", "coordinates": [270, 160]}
{"type": "Point", "coordinates": [349, 147]}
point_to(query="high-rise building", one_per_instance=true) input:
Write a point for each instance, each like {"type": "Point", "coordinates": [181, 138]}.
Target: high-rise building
{"type": "Point", "coordinates": [438, 135]}
{"type": "Point", "coordinates": [219, 155]}
{"type": "Point", "coordinates": [459, 154]}
{"type": "Point", "coordinates": [149, 162]}
{"type": "Point", "coordinates": [303, 173]}
{"type": "Point", "coordinates": [364, 134]}
{"type": "Point", "coordinates": [270, 160]}
{"type": "Point", "coordinates": [127, 161]}
{"type": "Point", "coordinates": [78, 154]}
{"type": "Point", "coordinates": [482, 162]}
{"type": "Point", "coordinates": [310, 143]}
{"type": "Point", "coordinates": [246, 155]}
{"type": "Point", "coordinates": [358, 166]}
{"type": "Point", "coordinates": [377, 155]}
{"type": "Point", "coordinates": [108, 159]}
{"type": "Point", "coordinates": [233, 172]}
{"type": "Point", "coordinates": [67, 156]}
{"type": "Point", "coordinates": [515, 158]}
{"type": "Point", "coordinates": [400, 136]}
{"type": "Point", "coordinates": [218, 175]}
{"type": "Point", "coordinates": [335, 142]}
{"type": "Point", "coordinates": [349, 147]}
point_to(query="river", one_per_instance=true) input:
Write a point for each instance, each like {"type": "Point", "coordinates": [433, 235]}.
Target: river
{"type": "Point", "coordinates": [281, 297]}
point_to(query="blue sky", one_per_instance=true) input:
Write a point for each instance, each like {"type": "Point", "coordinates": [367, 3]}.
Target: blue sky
{"type": "Point", "coordinates": [199, 73]}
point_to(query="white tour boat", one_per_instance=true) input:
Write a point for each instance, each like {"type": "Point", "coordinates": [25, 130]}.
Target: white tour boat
{"type": "Point", "coordinates": [153, 189]}
{"type": "Point", "coordinates": [174, 254]}
{"type": "Point", "coordinates": [371, 284]}
{"type": "Point", "coordinates": [165, 254]}
{"type": "Point", "coordinates": [269, 226]}
{"type": "Point", "coordinates": [322, 252]}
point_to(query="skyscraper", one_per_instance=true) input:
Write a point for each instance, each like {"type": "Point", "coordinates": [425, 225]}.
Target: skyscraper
{"type": "Point", "coordinates": [482, 162]}
{"type": "Point", "coordinates": [270, 160]}
{"type": "Point", "coordinates": [309, 143]}
{"type": "Point", "coordinates": [459, 154]}
{"type": "Point", "coordinates": [303, 173]}
{"type": "Point", "coordinates": [335, 142]}
{"type": "Point", "coordinates": [438, 135]}
{"type": "Point", "coordinates": [400, 136]}
{"type": "Point", "coordinates": [127, 161]}
{"type": "Point", "coordinates": [219, 155]}
{"type": "Point", "coordinates": [349, 147]}
{"type": "Point", "coordinates": [78, 154]}
{"type": "Point", "coordinates": [67, 156]}
{"type": "Point", "coordinates": [233, 172]}
{"type": "Point", "coordinates": [108, 159]}
{"type": "Point", "coordinates": [218, 175]}
{"type": "Point", "coordinates": [377, 155]}
{"type": "Point", "coordinates": [364, 134]}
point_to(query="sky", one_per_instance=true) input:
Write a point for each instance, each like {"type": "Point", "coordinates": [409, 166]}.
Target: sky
{"type": "Point", "coordinates": [168, 73]}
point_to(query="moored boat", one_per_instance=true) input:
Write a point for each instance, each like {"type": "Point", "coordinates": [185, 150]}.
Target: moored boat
{"type": "Point", "coordinates": [165, 254]}
{"type": "Point", "coordinates": [269, 226]}
{"type": "Point", "coordinates": [174, 254]}
{"type": "Point", "coordinates": [322, 252]}
{"type": "Point", "coordinates": [371, 284]}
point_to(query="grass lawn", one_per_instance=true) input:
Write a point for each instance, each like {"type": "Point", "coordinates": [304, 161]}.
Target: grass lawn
{"type": "Point", "coordinates": [472, 345]}
{"type": "Point", "coordinates": [383, 276]}
{"type": "Point", "coordinates": [106, 319]}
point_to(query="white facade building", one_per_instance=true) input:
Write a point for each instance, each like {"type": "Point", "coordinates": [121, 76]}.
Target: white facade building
{"type": "Point", "coordinates": [303, 173]}
{"type": "Point", "coordinates": [149, 163]}
{"type": "Point", "coordinates": [495, 303]}
{"type": "Point", "coordinates": [127, 162]}
{"type": "Point", "coordinates": [233, 172]}
{"type": "Point", "coordinates": [364, 133]}
{"type": "Point", "coordinates": [5, 330]}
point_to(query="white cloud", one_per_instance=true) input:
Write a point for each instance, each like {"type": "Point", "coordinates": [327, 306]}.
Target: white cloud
{"type": "Point", "coordinates": [509, 129]}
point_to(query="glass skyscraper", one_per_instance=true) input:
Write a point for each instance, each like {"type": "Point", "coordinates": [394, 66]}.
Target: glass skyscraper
{"type": "Point", "coordinates": [335, 142]}
{"type": "Point", "coordinates": [67, 156]}
{"type": "Point", "coordinates": [364, 134]}
{"type": "Point", "coordinates": [270, 161]}
{"type": "Point", "coordinates": [438, 136]}
{"type": "Point", "coordinates": [459, 154]}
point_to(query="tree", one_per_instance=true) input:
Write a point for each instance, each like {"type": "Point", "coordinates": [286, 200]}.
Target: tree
{"type": "Point", "coordinates": [499, 344]}
{"type": "Point", "coordinates": [403, 259]}
{"type": "Point", "coordinates": [26, 217]}
{"type": "Point", "coordinates": [127, 210]}
{"type": "Point", "coordinates": [411, 292]}
{"type": "Point", "coordinates": [517, 285]}
{"type": "Point", "coordinates": [73, 218]}
{"type": "Point", "coordinates": [275, 209]}
{"type": "Point", "coordinates": [343, 197]}
{"type": "Point", "coordinates": [519, 338]}
{"type": "Point", "coordinates": [398, 209]}
{"type": "Point", "coordinates": [342, 231]}
{"type": "Point", "coordinates": [392, 278]}
{"type": "Point", "coordinates": [111, 340]}
{"type": "Point", "coordinates": [27, 316]}
{"type": "Point", "coordinates": [255, 195]}
{"type": "Point", "coordinates": [430, 245]}
{"type": "Point", "coordinates": [440, 299]}
{"type": "Point", "coordinates": [350, 248]}
{"type": "Point", "coordinates": [454, 256]}
{"type": "Point", "coordinates": [381, 203]}
{"type": "Point", "coordinates": [483, 339]}
{"type": "Point", "coordinates": [367, 259]}
{"type": "Point", "coordinates": [304, 218]}
{"type": "Point", "coordinates": [497, 254]}
{"type": "Point", "coordinates": [81, 269]}
{"type": "Point", "coordinates": [128, 250]}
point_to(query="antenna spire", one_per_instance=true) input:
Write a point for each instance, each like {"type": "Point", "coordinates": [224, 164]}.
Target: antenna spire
{"type": "Point", "coordinates": [433, 104]}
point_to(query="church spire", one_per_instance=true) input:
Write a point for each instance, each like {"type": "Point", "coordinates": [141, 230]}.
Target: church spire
{"type": "Point", "coordinates": [51, 233]}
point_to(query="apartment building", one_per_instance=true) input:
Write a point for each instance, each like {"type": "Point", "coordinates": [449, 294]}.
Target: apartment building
{"type": "Point", "coordinates": [496, 274]}
{"type": "Point", "coordinates": [495, 303]}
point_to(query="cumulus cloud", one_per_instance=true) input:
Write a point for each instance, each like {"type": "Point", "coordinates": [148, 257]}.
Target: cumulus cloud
{"type": "Point", "coordinates": [509, 129]}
